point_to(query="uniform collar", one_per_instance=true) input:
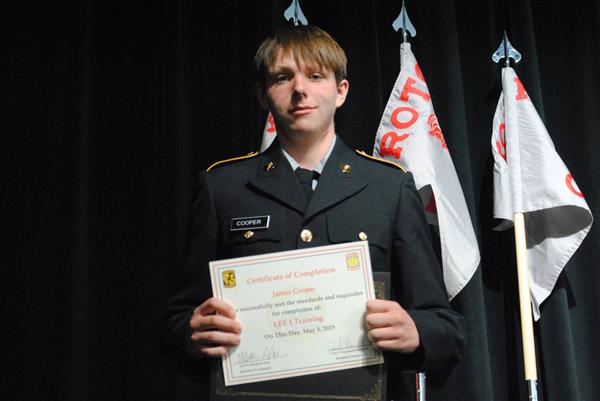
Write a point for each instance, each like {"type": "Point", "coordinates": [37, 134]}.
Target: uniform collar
{"type": "Point", "coordinates": [319, 167]}
{"type": "Point", "coordinates": [340, 179]}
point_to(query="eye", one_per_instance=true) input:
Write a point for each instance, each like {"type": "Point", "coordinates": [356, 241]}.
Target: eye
{"type": "Point", "coordinates": [280, 78]}
{"type": "Point", "coordinates": [315, 76]}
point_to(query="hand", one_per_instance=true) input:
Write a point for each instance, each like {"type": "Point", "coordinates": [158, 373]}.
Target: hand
{"type": "Point", "coordinates": [212, 329]}
{"type": "Point", "coordinates": [390, 327]}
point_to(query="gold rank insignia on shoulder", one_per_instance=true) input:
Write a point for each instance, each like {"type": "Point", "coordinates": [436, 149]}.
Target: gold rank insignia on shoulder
{"type": "Point", "coordinates": [377, 159]}
{"type": "Point", "coordinates": [228, 278]}
{"type": "Point", "coordinates": [233, 159]}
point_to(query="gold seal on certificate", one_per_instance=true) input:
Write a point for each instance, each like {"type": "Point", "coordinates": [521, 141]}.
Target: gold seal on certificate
{"type": "Point", "coordinates": [301, 311]}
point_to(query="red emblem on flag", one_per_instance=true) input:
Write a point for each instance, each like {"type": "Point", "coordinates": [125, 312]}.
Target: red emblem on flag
{"type": "Point", "coordinates": [435, 130]}
{"type": "Point", "coordinates": [571, 185]}
{"type": "Point", "coordinates": [271, 128]}
{"type": "Point", "coordinates": [501, 144]}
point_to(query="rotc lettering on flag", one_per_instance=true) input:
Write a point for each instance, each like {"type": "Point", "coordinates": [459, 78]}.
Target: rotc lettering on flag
{"type": "Point", "coordinates": [409, 133]}
{"type": "Point", "coordinates": [531, 178]}
{"type": "Point", "coordinates": [409, 116]}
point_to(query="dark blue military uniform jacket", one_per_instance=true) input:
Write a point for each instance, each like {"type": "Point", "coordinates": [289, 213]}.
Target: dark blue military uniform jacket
{"type": "Point", "coordinates": [354, 195]}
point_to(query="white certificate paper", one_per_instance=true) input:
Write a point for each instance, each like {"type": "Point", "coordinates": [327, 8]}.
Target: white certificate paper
{"type": "Point", "coordinates": [302, 311]}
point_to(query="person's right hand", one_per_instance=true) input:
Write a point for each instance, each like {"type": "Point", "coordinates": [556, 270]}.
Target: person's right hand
{"type": "Point", "coordinates": [212, 329]}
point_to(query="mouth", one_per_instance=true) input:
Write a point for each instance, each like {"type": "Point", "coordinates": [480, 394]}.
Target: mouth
{"type": "Point", "coordinates": [301, 110]}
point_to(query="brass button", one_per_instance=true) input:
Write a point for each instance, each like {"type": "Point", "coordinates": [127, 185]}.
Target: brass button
{"type": "Point", "coordinates": [269, 166]}
{"type": "Point", "coordinates": [345, 168]}
{"type": "Point", "coordinates": [306, 235]}
{"type": "Point", "coordinates": [249, 234]}
{"type": "Point", "coordinates": [362, 236]}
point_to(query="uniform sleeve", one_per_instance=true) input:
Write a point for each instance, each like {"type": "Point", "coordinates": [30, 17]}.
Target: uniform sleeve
{"type": "Point", "coordinates": [193, 285]}
{"type": "Point", "coordinates": [422, 291]}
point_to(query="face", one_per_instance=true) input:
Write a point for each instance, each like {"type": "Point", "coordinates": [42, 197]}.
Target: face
{"type": "Point", "coordinates": [302, 98]}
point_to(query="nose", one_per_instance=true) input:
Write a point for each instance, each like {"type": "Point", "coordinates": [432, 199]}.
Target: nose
{"type": "Point", "coordinates": [299, 87]}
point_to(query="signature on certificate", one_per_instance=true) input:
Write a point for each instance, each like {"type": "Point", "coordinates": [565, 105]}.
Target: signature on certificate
{"type": "Point", "coordinates": [268, 353]}
{"type": "Point", "coordinates": [345, 343]}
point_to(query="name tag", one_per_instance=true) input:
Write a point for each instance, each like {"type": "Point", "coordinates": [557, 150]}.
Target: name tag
{"type": "Point", "coordinates": [247, 223]}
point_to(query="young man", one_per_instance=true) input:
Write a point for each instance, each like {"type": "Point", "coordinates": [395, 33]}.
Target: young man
{"type": "Point", "coordinates": [301, 80]}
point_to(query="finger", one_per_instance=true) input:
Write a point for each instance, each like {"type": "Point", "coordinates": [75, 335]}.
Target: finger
{"type": "Point", "coordinates": [391, 318]}
{"type": "Point", "coordinates": [384, 345]}
{"type": "Point", "coordinates": [374, 320]}
{"type": "Point", "coordinates": [380, 305]}
{"type": "Point", "coordinates": [212, 352]}
{"type": "Point", "coordinates": [214, 305]}
{"type": "Point", "coordinates": [215, 322]}
{"type": "Point", "coordinates": [213, 338]}
{"type": "Point", "coordinates": [404, 347]}
{"type": "Point", "coordinates": [384, 334]}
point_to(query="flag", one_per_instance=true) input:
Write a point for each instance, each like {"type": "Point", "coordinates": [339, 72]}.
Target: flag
{"type": "Point", "coordinates": [409, 133]}
{"type": "Point", "coordinates": [530, 178]}
{"type": "Point", "coordinates": [269, 133]}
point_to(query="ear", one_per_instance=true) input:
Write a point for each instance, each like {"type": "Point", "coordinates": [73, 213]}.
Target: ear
{"type": "Point", "coordinates": [261, 96]}
{"type": "Point", "coordinates": [342, 90]}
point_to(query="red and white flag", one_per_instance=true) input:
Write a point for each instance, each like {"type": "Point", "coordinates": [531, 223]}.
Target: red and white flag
{"type": "Point", "coordinates": [530, 178]}
{"type": "Point", "coordinates": [269, 133]}
{"type": "Point", "coordinates": [409, 133]}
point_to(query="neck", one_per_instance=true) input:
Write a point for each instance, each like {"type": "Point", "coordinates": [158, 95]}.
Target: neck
{"type": "Point", "coordinates": [307, 152]}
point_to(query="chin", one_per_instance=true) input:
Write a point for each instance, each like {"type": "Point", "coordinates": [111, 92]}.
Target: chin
{"type": "Point", "coordinates": [302, 126]}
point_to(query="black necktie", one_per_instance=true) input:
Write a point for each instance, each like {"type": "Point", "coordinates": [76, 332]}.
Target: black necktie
{"type": "Point", "coordinates": [306, 177]}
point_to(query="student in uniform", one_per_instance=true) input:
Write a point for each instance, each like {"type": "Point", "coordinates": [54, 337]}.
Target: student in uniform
{"type": "Point", "coordinates": [315, 191]}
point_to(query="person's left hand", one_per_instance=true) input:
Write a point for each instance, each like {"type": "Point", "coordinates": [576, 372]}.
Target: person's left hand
{"type": "Point", "coordinates": [390, 327]}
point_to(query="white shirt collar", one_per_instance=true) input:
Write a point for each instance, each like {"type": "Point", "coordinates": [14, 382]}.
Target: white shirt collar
{"type": "Point", "coordinates": [318, 168]}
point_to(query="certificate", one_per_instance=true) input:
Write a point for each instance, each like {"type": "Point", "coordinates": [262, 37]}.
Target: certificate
{"type": "Point", "coordinates": [302, 311]}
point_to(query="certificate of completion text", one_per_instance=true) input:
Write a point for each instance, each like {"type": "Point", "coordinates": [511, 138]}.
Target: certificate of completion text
{"type": "Point", "coordinates": [302, 311]}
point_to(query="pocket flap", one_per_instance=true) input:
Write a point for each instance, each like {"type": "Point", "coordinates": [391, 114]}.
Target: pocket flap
{"type": "Point", "coordinates": [348, 227]}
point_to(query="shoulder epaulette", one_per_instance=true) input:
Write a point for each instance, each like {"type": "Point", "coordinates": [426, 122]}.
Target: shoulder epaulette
{"type": "Point", "coordinates": [233, 159]}
{"type": "Point", "coordinates": [377, 159]}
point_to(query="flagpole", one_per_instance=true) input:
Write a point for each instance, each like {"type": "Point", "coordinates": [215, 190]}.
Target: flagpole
{"type": "Point", "coordinates": [525, 307]}
{"type": "Point", "coordinates": [506, 51]}
{"type": "Point", "coordinates": [402, 22]}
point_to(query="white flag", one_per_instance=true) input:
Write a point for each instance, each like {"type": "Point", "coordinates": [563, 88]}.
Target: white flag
{"type": "Point", "coordinates": [269, 133]}
{"type": "Point", "coordinates": [409, 133]}
{"type": "Point", "coordinates": [530, 178]}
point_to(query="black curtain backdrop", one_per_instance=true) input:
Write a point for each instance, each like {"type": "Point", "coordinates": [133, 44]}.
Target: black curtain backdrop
{"type": "Point", "coordinates": [112, 108]}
